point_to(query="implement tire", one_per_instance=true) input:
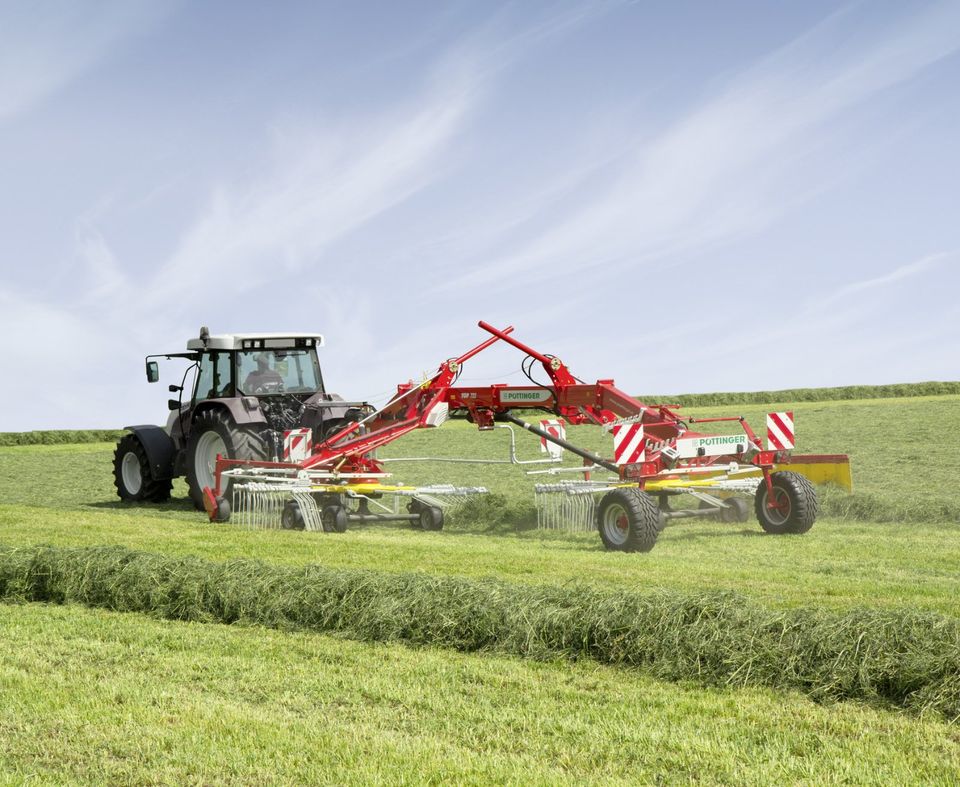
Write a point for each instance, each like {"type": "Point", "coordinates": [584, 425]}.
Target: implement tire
{"type": "Point", "coordinates": [132, 474]}
{"type": "Point", "coordinates": [335, 519]}
{"type": "Point", "coordinates": [214, 432]}
{"type": "Point", "coordinates": [797, 500]}
{"type": "Point", "coordinates": [628, 520]}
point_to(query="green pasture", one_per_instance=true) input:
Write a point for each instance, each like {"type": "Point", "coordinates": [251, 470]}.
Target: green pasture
{"type": "Point", "coordinates": [102, 697]}
{"type": "Point", "coordinates": [219, 703]}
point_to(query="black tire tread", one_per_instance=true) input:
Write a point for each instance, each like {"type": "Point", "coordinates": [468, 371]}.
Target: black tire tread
{"type": "Point", "coordinates": [643, 514]}
{"type": "Point", "coordinates": [153, 490]}
{"type": "Point", "coordinates": [242, 442]}
{"type": "Point", "coordinates": [803, 502]}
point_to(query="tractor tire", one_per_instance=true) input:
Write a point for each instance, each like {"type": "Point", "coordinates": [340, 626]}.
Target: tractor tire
{"type": "Point", "coordinates": [628, 520]}
{"type": "Point", "coordinates": [133, 476]}
{"type": "Point", "coordinates": [214, 432]}
{"type": "Point", "coordinates": [797, 501]}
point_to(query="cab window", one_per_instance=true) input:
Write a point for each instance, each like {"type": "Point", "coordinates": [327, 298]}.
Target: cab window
{"type": "Point", "coordinates": [215, 378]}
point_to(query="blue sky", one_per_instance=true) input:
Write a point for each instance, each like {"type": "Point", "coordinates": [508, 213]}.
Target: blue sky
{"type": "Point", "coordinates": [681, 196]}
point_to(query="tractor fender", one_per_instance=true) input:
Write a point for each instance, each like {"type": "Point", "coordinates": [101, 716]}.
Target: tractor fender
{"type": "Point", "coordinates": [243, 410]}
{"type": "Point", "coordinates": [324, 409]}
{"type": "Point", "coordinates": [159, 448]}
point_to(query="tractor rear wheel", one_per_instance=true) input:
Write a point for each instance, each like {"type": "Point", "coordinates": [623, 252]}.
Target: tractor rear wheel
{"type": "Point", "coordinates": [213, 432]}
{"type": "Point", "coordinates": [796, 504]}
{"type": "Point", "coordinates": [132, 474]}
{"type": "Point", "coordinates": [628, 520]}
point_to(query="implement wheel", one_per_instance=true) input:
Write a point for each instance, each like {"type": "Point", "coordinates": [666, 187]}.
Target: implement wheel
{"type": "Point", "coordinates": [735, 509]}
{"type": "Point", "coordinates": [334, 519]}
{"type": "Point", "coordinates": [431, 518]}
{"type": "Point", "coordinates": [292, 516]}
{"type": "Point", "coordinates": [796, 504]}
{"type": "Point", "coordinates": [628, 520]}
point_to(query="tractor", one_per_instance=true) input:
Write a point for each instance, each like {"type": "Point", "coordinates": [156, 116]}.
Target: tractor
{"type": "Point", "coordinates": [238, 399]}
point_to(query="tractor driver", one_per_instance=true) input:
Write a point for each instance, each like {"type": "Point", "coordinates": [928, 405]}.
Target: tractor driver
{"type": "Point", "coordinates": [263, 378]}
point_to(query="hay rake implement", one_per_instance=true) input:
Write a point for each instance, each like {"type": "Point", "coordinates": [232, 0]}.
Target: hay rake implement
{"type": "Point", "coordinates": [657, 456]}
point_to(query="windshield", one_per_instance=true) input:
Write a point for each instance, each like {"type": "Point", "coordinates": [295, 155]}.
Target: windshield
{"type": "Point", "coordinates": [278, 371]}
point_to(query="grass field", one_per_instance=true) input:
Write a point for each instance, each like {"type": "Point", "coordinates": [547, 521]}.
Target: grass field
{"type": "Point", "coordinates": [214, 702]}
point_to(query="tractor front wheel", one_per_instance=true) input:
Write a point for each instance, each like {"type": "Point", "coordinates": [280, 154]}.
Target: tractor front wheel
{"type": "Point", "coordinates": [628, 520]}
{"type": "Point", "coordinates": [133, 476]}
{"type": "Point", "coordinates": [213, 433]}
{"type": "Point", "coordinates": [794, 508]}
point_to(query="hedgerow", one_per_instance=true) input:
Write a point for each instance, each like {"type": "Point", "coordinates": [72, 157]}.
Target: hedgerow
{"type": "Point", "coordinates": [60, 437]}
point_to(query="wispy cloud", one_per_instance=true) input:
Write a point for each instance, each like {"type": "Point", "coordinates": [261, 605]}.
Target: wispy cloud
{"type": "Point", "coordinates": [45, 45]}
{"type": "Point", "coordinates": [316, 188]}
{"type": "Point", "coordinates": [734, 163]}
{"type": "Point", "coordinates": [899, 274]}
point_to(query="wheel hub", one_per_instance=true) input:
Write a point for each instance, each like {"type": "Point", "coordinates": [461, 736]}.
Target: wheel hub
{"type": "Point", "coordinates": [131, 474]}
{"type": "Point", "coordinates": [778, 510]}
{"type": "Point", "coordinates": [616, 524]}
{"type": "Point", "coordinates": [208, 446]}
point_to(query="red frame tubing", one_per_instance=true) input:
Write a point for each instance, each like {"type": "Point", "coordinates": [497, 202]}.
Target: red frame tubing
{"type": "Point", "coordinates": [578, 402]}
{"type": "Point", "coordinates": [407, 412]}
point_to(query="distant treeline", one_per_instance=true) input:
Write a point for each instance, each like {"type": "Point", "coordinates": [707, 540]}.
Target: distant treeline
{"type": "Point", "coordinates": [807, 394]}
{"type": "Point", "coordinates": [60, 436]}
{"type": "Point", "coordinates": [55, 436]}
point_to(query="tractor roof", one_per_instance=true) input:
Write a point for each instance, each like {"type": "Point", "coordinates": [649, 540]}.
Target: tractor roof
{"type": "Point", "coordinates": [251, 341]}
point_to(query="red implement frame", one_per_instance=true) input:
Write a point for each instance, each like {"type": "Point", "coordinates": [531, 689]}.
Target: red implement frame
{"type": "Point", "coordinates": [349, 451]}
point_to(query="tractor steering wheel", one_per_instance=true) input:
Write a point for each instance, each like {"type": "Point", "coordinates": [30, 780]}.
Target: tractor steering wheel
{"type": "Point", "coordinates": [269, 388]}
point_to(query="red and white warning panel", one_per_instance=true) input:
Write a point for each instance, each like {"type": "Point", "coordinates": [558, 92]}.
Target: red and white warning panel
{"type": "Point", "coordinates": [297, 445]}
{"type": "Point", "coordinates": [628, 445]}
{"type": "Point", "coordinates": [558, 429]}
{"type": "Point", "coordinates": [780, 432]}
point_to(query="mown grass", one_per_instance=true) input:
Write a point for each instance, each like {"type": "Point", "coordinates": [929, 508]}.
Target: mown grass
{"type": "Point", "coordinates": [247, 704]}
{"type": "Point", "coordinates": [903, 658]}
{"type": "Point", "coordinates": [837, 393]}
{"type": "Point", "coordinates": [99, 697]}
{"type": "Point", "coordinates": [836, 565]}
{"type": "Point", "coordinates": [64, 495]}
{"type": "Point", "coordinates": [901, 450]}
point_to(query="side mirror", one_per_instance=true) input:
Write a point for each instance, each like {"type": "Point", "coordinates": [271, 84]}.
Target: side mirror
{"type": "Point", "coordinates": [175, 388]}
{"type": "Point", "coordinates": [173, 404]}
{"type": "Point", "coordinates": [153, 372]}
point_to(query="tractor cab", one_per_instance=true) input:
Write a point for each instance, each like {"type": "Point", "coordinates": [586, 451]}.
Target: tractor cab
{"type": "Point", "coordinates": [256, 365]}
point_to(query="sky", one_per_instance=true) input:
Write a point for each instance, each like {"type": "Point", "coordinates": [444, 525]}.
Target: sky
{"type": "Point", "coordinates": [682, 196]}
